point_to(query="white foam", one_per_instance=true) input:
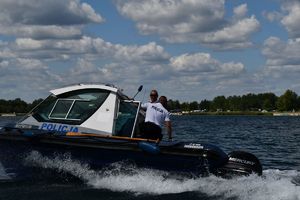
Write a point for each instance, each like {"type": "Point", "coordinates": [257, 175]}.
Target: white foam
{"type": "Point", "coordinates": [270, 186]}
{"type": "Point", "coordinates": [273, 185]}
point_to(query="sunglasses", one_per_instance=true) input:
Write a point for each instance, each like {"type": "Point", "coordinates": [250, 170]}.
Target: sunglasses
{"type": "Point", "coordinates": [153, 95]}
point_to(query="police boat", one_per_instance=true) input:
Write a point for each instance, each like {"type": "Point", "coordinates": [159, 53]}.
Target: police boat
{"type": "Point", "coordinates": [99, 125]}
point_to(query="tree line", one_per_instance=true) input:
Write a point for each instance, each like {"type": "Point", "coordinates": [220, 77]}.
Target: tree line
{"type": "Point", "coordinates": [17, 105]}
{"type": "Point", "coordinates": [289, 101]}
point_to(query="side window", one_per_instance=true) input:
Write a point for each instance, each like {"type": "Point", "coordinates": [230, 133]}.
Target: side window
{"type": "Point", "coordinates": [126, 118]}
{"type": "Point", "coordinates": [71, 108]}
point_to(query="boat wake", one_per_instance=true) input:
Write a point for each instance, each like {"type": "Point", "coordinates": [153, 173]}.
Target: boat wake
{"type": "Point", "coordinates": [124, 177]}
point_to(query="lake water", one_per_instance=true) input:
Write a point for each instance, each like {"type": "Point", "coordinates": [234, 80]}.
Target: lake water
{"type": "Point", "coordinates": [274, 140]}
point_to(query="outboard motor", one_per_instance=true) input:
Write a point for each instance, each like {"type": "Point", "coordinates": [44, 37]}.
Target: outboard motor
{"type": "Point", "coordinates": [240, 163]}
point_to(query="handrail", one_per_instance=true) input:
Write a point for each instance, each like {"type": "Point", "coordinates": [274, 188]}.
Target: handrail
{"type": "Point", "coordinates": [109, 137]}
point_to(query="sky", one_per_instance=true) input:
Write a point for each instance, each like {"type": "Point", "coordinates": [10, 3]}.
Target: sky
{"type": "Point", "coordinates": [189, 50]}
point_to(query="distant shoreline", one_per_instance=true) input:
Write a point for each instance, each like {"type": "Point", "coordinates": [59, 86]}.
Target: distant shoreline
{"type": "Point", "coordinates": [8, 114]}
{"type": "Point", "coordinates": [11, 114]}
{"type": "Point", "coordinates": [240, 113]}
{"type": "Point", "coordinates": [231, 113]}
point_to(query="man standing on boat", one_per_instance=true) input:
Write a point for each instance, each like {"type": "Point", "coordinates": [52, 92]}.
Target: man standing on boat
{"type": "Point", "coordinates": [156, 116]}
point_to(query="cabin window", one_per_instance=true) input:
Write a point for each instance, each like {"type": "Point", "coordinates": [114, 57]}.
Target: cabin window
{"type": "Point", "coordinates": [69, 109]}
{"type": "Point", "coordinates": [72, 107]}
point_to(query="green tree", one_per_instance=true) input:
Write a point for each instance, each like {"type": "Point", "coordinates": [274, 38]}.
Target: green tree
{"type": "Point", "coordinates": [269, 101]}
{"type": "Point", "coordinates": [219, 103]}
{"type": "Point", "coordinates": [34, 104]}
{"type": "Point", "coordinates": [173, 105]}
{"type": "Point", "coordinates": [205, 105]}
{"type": "Point", "coordinates": [288, 101]}
{"type": "Point", "coordinates": [185, 106]}
{"type": "Point", "coordinates": [250, 102]}
{"type": "Point", "coordinates": [234, 103]}
{"type": "Point", "coordinates": [18, 106]}
{"type": "Point", "coordinates": [194, 105]}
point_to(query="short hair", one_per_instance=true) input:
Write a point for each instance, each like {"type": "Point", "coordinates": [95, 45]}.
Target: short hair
{"type": "Point", "coordinates": [154, 91]}
{"type": "Point", "coordinates": [164, 101]}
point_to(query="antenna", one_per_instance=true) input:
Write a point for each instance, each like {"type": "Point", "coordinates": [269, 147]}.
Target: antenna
{"type": "Point", "coordinates": [139, 89]}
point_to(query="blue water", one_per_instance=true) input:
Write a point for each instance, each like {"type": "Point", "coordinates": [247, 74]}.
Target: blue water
{"type": "Point", "coordinates": [274, 140]}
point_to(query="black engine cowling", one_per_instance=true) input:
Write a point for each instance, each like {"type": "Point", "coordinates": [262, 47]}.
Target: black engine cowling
{"type": "Point", "coordinates": [240, 163]}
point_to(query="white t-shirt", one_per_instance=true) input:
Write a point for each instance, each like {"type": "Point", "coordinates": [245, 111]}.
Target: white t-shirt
{"type": "Point", "coordinates": [156, 113]}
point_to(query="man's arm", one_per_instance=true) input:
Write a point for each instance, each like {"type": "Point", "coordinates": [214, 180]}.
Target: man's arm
{"type": "Point", "coordinates": [144, 106]}
{"type": "Point", "coordinates": [169, 129]}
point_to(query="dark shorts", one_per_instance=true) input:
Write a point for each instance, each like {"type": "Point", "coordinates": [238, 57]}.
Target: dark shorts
{"type": "Point", "coordinates": [150, 130]}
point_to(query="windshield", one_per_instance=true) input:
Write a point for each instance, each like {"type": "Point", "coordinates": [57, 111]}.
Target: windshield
{"type": "Point", "coordinates": [71, 108]}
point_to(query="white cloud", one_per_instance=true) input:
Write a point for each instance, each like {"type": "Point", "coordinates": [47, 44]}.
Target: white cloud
{"type": "Point", "coordinates": [156, 14]}
{"type": "Point", "coordinates": [272, 16]}
{"type": "Point", "coordinates": [184, 71]}
{"type": "Point", "coordinates": [291, 20]}
{"type": "Point", "coordinates": [201, 70]}
{"type": "Point", "coordinates": [233, 36]}
{"type": "Point", "coordinates": [282, 64]}
{"type": "Point", "coordinates": [240, 11]}
{"type": "Point", "coordinates": [54, 12]}
{"type": "Point", "coordinates": [26, 78]}
{"type": "Point", "coordinates": [85, 12]}
{"type": "Point", "coordinates": [28, 43]}
{"type": "Point", "coordinates": [232, 68]}
{"type": "Point", "coordinates": [280, 53]}
{"type": "Point", "coordinates": [45, 19]}
{"type": "Point", "coordinates": [148, 53]}
{"type": "Point", "coordinates": [42, 32]}
{"type": "Point", "coordinates": [86, 70]}
{"type": "Point", "coordinates": [199, 74]}
{"type": "Point", "coordinates": [202, 21]}
{"type": "Point", "coordinates": [198, 63]}
{"type": "Point", "coordinates": [30, 64]}
{"type": "Point", "coordinates": [6, 53]}
{"type": "Point", "coordinates": [55, 52]}
{"type": "Point", "coordinates": [288, 16]}
{"type": "Point", "coordinates": [95, 61]}
{"type": "Point", "coordinates": [4, 64]}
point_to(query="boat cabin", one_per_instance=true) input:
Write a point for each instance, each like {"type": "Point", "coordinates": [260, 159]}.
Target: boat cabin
{"type": "Point", "coordinates": [87, 108]}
